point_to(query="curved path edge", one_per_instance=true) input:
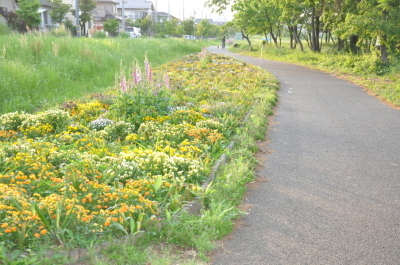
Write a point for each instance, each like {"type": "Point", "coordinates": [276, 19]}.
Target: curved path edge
{"type": "Point", "coordinates": [333, 195]}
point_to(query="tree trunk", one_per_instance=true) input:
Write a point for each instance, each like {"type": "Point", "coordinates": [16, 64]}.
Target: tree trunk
{"type": "Point", "coordinates": [340, 44]}
{"type": "Point", "coordinates": [297, 36]}
{"type": "Point", "coordinates": [247, 38]}
{"type": "Point", "coordinates": [312, 37]}
{"type": "Point", "coordinates": [317, 30]}
{"type": "Point", "coordinates": [266, 37]}
{"type": "Point", "coordinates": [353, 43]}
{"type": "Point", "coordinates": [291, 36]}
{"type": "Point", "coordinates": [384, 52]}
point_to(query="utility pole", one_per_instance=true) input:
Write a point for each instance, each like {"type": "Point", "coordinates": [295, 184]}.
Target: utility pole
{"type": "Point", "coordinates": [78, 26]}
{"type": "Point", "coordinates": [156, 18]}
{"type": "Point", "coordinates": [123, 16]}
{"type": "Point", "coordinates": [169, 12]}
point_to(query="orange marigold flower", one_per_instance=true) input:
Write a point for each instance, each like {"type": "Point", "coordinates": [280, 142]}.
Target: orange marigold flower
{"type": "Point", "coordinates": [107, 223]}
{"type": "Point", "coordinates": [4, 225]}
{"type": "Point", "coordinates": [114, 219]}
{"type": "Point", "coordinates": [43, 232]}
{"type": "Point", "coordinates": [99, 206]}
{"type": "Point", "coordinates": [69, 206]}
{"type": "Point", "coordinates": [84, 200]}
{"type": "Point", "coordinates": [8, 230]}
{"type": "Point", "coordinates": [36, 235]}
{"type": "Point", "coordinates": [126, 196]}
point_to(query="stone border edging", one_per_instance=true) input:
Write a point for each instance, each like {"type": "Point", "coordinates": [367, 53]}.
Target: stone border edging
{"type": "Point", "coordinates": [194, 206]}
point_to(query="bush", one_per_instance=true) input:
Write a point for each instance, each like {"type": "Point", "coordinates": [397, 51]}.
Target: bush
{"type": "Point", "coordinates": [124, 35]}
{"type": "Point", "coordinates": [4, 29]}
{"type": "Point", "coordinates": [100, 35]}
{"type": "Point", "coordinates": [61, 31]}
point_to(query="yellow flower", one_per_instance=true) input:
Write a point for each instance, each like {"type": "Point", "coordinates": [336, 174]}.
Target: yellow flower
{"type": "Point", "coordinates": [4, 225]}
{"type": "Point", "coordinates": [107, 223]}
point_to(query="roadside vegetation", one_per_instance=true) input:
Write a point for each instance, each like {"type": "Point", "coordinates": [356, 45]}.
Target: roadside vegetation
{"type": "Point", "coordinates": [367, 70]}
{"type": "Point", "coordinates": [40, 70]}
{"type": "Point", "coordinates": [356, 39]}
{"type": "Point", "coordinates": [98, 144]}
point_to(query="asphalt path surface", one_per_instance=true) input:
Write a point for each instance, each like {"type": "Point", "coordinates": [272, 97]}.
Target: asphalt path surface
{"type": "Point", "coordinates": [333, 171]}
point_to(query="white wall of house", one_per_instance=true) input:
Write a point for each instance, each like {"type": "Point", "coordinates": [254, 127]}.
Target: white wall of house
{"type": "Point", "coordinates": [5, 7]}
{"type": "Point", "coordinates": [45, 19]}
{"type": "Point", "coordinates": [69, 15]}
{"type": "Point", "coordinates": [135, 14]}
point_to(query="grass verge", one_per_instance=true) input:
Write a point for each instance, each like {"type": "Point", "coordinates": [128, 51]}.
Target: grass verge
{"type": "Point", "coordinates": [366, 70]}
{"type": "Point", "coordinates": [39, 70]}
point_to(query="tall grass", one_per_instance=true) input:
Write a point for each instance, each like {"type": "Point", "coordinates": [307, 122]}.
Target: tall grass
{"type": "Point", "coordinates": [39, 70]}
{"type": "Point", "coordinates": [366, 69]}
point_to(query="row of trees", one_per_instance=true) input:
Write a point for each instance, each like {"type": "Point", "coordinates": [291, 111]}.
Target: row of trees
{"type": "Point", "coordinates": [174, 27]}
{"type": "Point", "coordinates": [357, 25]}
{"type": "Point", "coordinates": [28, 17]}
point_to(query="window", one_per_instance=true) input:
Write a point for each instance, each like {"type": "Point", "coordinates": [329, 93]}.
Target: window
{"type": "Point", "coordinates": [45, 18]}
{"type": "Point", "coordinates": [3, 11]}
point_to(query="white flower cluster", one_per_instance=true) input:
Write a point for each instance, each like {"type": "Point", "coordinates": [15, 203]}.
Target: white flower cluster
{"type": "Point", "coordinates": [158, 163]}
{"type": "Point", "coordinates": [100, 124]}
{"type": "Point", "coordinates": [210, 124]}
{"type": "Point", "coordinates": [11, 121]}
{"type": "Point", "coordinates": [154, 131]}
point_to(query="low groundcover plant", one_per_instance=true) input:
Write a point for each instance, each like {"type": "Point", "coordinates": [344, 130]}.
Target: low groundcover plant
{"type": "Point", "coordinates": [116, 163]}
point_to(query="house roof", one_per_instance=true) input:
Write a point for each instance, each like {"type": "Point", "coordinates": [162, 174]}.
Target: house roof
{"type": "Point", "coordinates": [165, 14]}
{"type": "Point", "coordinates": [45, 3]}
{"type": "Point", "coordinates": [136, 4]}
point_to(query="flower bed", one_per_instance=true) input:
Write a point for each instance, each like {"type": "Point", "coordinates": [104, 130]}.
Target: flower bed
{"type": "Point", "coordinates": [113, 163]}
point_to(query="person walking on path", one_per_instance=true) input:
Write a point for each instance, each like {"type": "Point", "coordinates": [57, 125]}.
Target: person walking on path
{"type": "Point", "coordinates": [223, 42]}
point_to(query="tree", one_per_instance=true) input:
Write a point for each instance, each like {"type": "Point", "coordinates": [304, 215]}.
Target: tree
{"type": "Point", "coordinates": [204, 29]}
{"type": "Point", "coordinates": [111, 26]}
{"type": "Point", "coordinates": [86, 7]}
{"type": "Point", "coordinates": [145, 24]}
{"type": "Point", "coordinates": [187, 26]}
{"type": "Point", "coordinates": [59, 10]}
{"type": "Point", "coordinates": [171, 27]}
{"type": "Point", "coordinates": [28, 12]}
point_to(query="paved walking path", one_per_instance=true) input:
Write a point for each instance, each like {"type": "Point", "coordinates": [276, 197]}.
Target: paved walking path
{"type": "Point", "coordinates": [333, 195]}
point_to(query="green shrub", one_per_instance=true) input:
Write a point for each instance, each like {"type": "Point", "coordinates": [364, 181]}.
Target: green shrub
{"type": "Point", "coordinates": [124, 35]}
{"type": "Point", "coordinates": [100, 35]}
{"type": "Point", "coordinates": [61, 31]}
{"type": "Point", "coordinates": [4, 29]}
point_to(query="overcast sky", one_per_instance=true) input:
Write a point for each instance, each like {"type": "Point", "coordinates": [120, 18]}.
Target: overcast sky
{"type": "Point", "coordinates": [178, 8]}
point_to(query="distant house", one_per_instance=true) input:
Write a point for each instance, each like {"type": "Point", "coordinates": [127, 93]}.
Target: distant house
{"type": "Point", "coordinates": [45, 18]}
{"type": "Point", "coordinates": [164, 16]}
{"type": "Point", "coordinates": [105, 9]}
{"type": "Point", "coordinates": [218, 23]}
{"type": "Point", "coordinates": [5, 7]}
{"type": "Point", "coordinates": [136, 9]}
{"type": "Point", "coordinates": [44, 10]}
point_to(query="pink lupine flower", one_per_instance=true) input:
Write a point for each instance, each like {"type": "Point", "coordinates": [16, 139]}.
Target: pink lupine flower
{"type": "Point", "coordinates": [137, 75]}
{"type": "Point", "coordinates": [166, 81]}
{"type": "Point", "coordinates": [123, 84]}
{"type": "Point", "coordinates": [149, 71]}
